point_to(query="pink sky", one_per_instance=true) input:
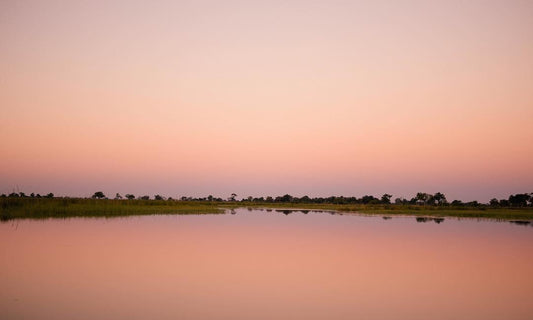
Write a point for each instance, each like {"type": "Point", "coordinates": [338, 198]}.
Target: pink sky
{"type": "Point", "coordinates": [267, 97]}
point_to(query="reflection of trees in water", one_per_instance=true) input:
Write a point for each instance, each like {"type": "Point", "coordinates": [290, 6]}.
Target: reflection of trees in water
{"type": "Point", "coordinates": [427, 219]}
{"type": "Point", "coordinates": [521, 222]}
{"type": "Point", "coordinates": [289, 211]}
{"type": "Point", "coordinates": [438, 220]}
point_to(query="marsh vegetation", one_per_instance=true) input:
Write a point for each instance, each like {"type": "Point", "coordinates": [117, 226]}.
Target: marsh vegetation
{"type": "Point", "coordinates": [19, 205]}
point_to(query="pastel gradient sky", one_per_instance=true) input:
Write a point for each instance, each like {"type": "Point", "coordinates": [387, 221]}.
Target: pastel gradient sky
{"type": "Point", "coordinates": [267, 97]}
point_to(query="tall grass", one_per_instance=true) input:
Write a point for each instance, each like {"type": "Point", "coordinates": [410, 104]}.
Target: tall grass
{"type": "Point", "coordinates": [39, 208]}
{"type": "Point", "coordinates": [524, 213]}
{"type": "Point", "coordinates": [36, 208]}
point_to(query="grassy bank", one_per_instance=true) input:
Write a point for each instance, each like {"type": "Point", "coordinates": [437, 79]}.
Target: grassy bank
{"type": "Point", "coordinates": [525, 213]}
{"type": "Point", "coordinates": [16, 208]}
{"type": "Point", "coordinates": [41, 208]}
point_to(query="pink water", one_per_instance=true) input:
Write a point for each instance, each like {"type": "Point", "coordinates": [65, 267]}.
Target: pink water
{"type": "Point", "coordinates": [265, 265]}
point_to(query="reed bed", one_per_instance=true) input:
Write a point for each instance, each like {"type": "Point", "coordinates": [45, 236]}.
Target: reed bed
{"type": "Point", "coordinates": [41, 208]}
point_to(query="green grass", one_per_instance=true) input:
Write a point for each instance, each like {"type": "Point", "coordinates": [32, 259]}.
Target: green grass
{"type": "Point", "coordinates": [16, 208]}
{"type": "Point", "coordinates": [42, 208]}
{"type": "Point", "coordinates": [412, 210]}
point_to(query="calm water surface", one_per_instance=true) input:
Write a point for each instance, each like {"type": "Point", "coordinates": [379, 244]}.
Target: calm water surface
{"type": "Point", "coordinates": [265, 265]}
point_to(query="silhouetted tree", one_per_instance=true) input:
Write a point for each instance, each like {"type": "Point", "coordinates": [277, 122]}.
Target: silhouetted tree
{"type": "Point", "coordinates": [439, 198]}
{"type": "Point", "coordinates": [386, 198]}
{"type": "Point", "coordinates": [129, 196]}
{"type": "Point", "coordinates": [145, 198]}
{"type": "Point", "coordinates": [504, 203]}
{"type": "Point", "coordinates": [472, 204]}
{"type": "Point", "coordinates": [232, 197]}
{"type": "Point", "coordinates": [494, 202]}
{"type": "Point", "coordinates": [118, 196]}
{"type": "Point", "coordinates": [422, 198]}
{"type": "Point", "coordinates": [369, 199]}
{"type": "Point", "coordinates": [285, 198]}
{"type": "Point", "coordinates": [98, 195]}
{"type": "Point", "coordinates": [401, 201]}
{"type": "Point", "coordinates": [457, 203]}
{"type": "Point", "coordinates": [158, 197]}
{"type": "Point", "coordinates": [519, 200]}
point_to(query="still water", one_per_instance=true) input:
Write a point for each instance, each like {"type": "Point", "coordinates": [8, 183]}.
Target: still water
{"type": "Point", "coordinates": [265, 265]}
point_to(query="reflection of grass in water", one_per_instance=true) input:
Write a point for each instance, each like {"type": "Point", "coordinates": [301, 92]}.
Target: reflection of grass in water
{"type": "Point", "coordinates": [525, 213]}
{"type": "Point", "coordinates": [35, 208]}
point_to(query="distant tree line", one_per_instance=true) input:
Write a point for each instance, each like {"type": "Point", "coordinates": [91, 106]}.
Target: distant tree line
{"type": "Point", "coordinates": [421, 198]}
{"type": "Point", "coordinates": [23, 195]}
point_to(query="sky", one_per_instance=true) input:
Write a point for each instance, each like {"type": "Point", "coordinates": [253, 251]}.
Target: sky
{"type": "Point", "coordinates": [318, 98]}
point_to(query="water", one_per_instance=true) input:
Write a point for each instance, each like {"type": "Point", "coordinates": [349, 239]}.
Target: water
{"type": "Point", "coordinates": [265, 265]}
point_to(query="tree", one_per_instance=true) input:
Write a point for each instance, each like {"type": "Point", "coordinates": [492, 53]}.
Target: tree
{"type": "Point", "coordinates": [386, 198]}
{"type": "Point", "coordinates": [158, 197]}
{"type": "Point", "coordinates": [50, 195]}
{"type": "Point", "coordinates": [118, 196]}
{"type": "Point", "coordinates": [130, 196]}
{"type": "Point", "coordinates": [369, 199]}
{"type": "Point", "coordinates": [98, 195]}
{"type": "Point", "coordinates": [145, 198]}
{"type": "Point", "coordinates": [286, 198]}
{"type": "Point", "coordinates": [494, 202]}
{"type": "Point", "coordinates": [422, 198]}
{"type": "Point", "coordinates": [232, 197]}
{"type": "Point", "coordinates": [519, 200]}
{"type": "Point", "coordinates": [440, 198]}
{"type": "Point", "coordinates": [401, 201]}
{"type": "Point", "coordinates": [504, 202]}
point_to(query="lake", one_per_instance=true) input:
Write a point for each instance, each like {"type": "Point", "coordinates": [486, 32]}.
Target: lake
{"type": "Point", "coordinates": [258, 264]}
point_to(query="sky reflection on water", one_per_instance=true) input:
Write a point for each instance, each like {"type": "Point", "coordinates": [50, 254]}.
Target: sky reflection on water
{"type": "Point", "coordinates": [265, 265]}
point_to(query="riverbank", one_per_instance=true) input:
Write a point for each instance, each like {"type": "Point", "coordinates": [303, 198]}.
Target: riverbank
{"type": "Point", "coordinates": [42, 208]}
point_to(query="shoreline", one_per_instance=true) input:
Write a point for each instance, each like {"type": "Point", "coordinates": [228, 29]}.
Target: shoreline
{"type": "Point", "coordinates": [31, 208]}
